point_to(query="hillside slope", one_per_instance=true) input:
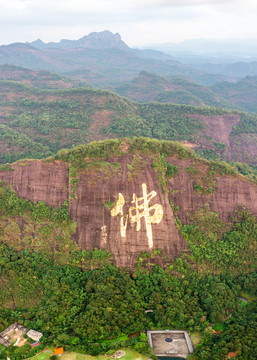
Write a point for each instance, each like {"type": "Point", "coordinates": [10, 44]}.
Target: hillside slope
{"type": "Point", "coordinates": [118, 65]}
{"type": "Point", "coordinates": [123, 196]}
{"type": "Point", "coordinates": [36, 123]}
{"type": "Point", "coordinates": [40, 79]}
{"type": "Point", "coordinates": [151, 87]}
{"type": "Point", "coordinates": [242, 94]}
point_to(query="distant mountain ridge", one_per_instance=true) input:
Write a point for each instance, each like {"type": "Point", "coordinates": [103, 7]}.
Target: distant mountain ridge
{"type": "Point", "coordinates": [242, 94]}
{"type": "Point", "coordinates": [100, 41]}
{"type": "Point", "coordinates": [148, 86]}
{"type": "Point", "coordinates": [40, 79]}
{"type": "Point", "coordinates": [214, 50]}
{"type": "Point", "coordinates": [106, 55]}
{"type": "Point", "coordinates": [102, 59]}
{"type": "Point", "coordinates": [151, 87]}
{"type": "Point", "coordinates": [95, 40]}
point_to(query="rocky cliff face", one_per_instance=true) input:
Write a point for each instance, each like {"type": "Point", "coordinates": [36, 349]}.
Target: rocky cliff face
{"type": "Point", "coordinates": [122, 207]}
{"type": "Point", "coordinates": [238, 147]}
{"type": "Point", "coordinates": [228, 192]}
{"type": "Point", "coordinates": [39, 181]}
{"type": "Point", "coordinates": [142, 218]}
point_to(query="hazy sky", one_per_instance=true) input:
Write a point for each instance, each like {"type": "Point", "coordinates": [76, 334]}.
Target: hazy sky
{"type": "Point", "coordinates": [140, 22]}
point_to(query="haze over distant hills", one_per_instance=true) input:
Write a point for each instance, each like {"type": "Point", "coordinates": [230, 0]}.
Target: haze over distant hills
{"type": "Point", "coordinates": [105, 61]}
{"type": "Point", "coordinates": [211, 50]}
{"type": "Point", "coordinates": [100, 40]}
{"type": "Point", "coordinates": [102, 59]}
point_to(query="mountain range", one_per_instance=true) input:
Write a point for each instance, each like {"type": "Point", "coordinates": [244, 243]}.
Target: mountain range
{"type": "Point", "coordinates": [100, 58]}
{"type": "Point", "coordinates": [27, 114]}
{"type": "Point", "coordinates": [151, 87]}
{"type": "Point", "coordinates": [212, 51]}
{"type": "Point", "coordinates": [36, 123]}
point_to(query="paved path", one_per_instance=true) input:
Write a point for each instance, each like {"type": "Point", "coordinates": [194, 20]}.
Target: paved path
{"type": "Point", "coordinates": [17, 342]}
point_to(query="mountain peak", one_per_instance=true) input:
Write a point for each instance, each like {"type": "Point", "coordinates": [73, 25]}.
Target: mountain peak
{"type": "Point", "coordinates": [103, 40]}
{"type": "Point", "coordinates": [95, 40]}
{"type": "Point", "coordinates": [106, 34]}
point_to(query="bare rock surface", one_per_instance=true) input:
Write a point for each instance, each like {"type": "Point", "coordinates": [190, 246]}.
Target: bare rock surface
{"type": "Point", "coordinates": [230, 191]}
{"type": "Point", "coordinates": [39, 181]}
{"type": "Point", "coordinates": [126, 213]}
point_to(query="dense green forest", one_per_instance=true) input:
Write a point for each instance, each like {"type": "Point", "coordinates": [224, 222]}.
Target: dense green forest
{"type": "Point", "coordinates": [79, 309]}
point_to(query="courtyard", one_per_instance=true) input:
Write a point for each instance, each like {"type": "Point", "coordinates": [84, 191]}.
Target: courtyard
{"type": "Point", "coordinates": [170, 343]}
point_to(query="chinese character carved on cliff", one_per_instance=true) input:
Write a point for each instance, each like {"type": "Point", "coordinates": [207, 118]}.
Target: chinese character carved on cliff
{"type": "Point", "coordinates": [140, 209]}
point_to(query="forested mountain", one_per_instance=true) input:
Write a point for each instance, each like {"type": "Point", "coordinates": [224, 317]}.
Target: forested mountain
{"type": "Point", "coordinates": [37, 123]}
{"type": "Point", "coordinates": [64, 222]}
{"type": "Point", "coordinates": [242, 94]}
{"type": "Point", "coordinates": [147, 87]}
{"type": "Point", "coordinates": [40, 79]}
{"type": "Point", "coordinates": [151, 87]}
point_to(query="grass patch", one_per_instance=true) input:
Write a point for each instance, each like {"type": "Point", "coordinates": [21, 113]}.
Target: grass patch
{"type": "Point", "coordinates": [120, 338]}
{"type": "Point", "coordinates": [44, 355]}
{"type": "Point", "coordinates": [220, 326]}
{"type": "Point", "coordinates": [109, 204]}
{"type": "Point", "coordinates": [243, 304]}
{"type": "Point", "coordinates": [129, 355]}
{"type": "Point", "coordinates": [196, 338]}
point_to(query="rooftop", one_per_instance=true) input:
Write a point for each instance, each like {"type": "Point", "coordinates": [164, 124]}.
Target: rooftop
{"type": "Point", "coordinates": [170, 343]}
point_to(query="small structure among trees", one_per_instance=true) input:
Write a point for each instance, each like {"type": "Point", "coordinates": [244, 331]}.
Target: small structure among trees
{"type": "Point", "coordinates": [58, 351]}
{"type": "Point", "coordinates": [15, 332]}
{"type": "Point", "coordinates": [170, 342]}
{"type": "Point", "coordinates": [34, 335]}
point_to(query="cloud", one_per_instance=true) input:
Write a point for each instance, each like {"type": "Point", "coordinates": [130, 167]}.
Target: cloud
{"type": "Point", "coordinates": [159, 4]}
{"type": "Point", "coordinates": [138, 21]}
{"type": "Point", "coordinates": [121, 4]}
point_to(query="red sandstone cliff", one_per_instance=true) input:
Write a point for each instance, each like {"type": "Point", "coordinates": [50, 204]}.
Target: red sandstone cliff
{"type": "Point", "coordinates": [142, 218]}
